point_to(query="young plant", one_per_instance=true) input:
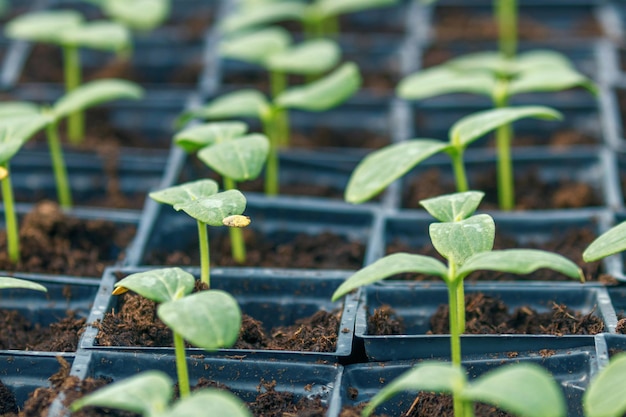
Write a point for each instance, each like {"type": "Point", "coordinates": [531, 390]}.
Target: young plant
{"type": "Point", "coordinates": [608, 243]}
{"type": "Point", "coordinates": [17, 125]}
{"type": "Point", "coordinates": [465, 240]}
{"type": "Point", "coordinates": [606, 394]}
{"type": "Point", "coordinates": [319, 18]}
{"type": "Point", "coordinates": [236, 156]}
{"type": "Point", "coordinates": [10, 282]}
{"type": "Point", "coordinates": [69, 30]}
{"type": "Point", "coordinates": [149, 394]}
{"type": "Point", "coordinates": [207, 319]}
{"type": "Point", "coordinates": [382, 167]}
{"type": "Point", "coordinates": [140, 15]}
{"type": "Point", "coordinates": [500, 78]}
{"type": "Point", "coordinates": [320, 95]}
{"type": "Point", "coordinates": [86, 96]}
{"type": "Point", "coordinates": [201, 200]}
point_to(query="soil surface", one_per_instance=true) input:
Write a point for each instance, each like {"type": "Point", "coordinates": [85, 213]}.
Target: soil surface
{"type": "Point", "coordinates": [321, 251]}
{"type": "Point", "coordinates": [17, 332]}
{"type": "Point", "coordinates": [489, 315]}
{"type": "Point", "coordinates": [55, 243]}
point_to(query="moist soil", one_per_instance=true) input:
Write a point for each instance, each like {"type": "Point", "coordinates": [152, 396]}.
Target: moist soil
{"type": "Point", "coordinates": [322, 251]}
{"type": "Point", "coordinates": [17, 332]}
{"type": "Point", "coordinates": [54, 243]}
{"type": "Point", "coordinates": [489, 315]}
{"type": "Point", "coordinates": [135, 323]}
{"type": "Point", "coordinates": [532, 193]}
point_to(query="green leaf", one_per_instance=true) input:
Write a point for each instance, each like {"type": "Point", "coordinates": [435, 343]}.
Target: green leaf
{"type": "Point", "coordinates": [197, 137]}
{"type": "Point", "coordinates": [16, 131]}
{"type": "Point", "coordinates": [142, 15]}
{"type": "Point", "coordinates": [256, 47]}
{"type": "Point", "coordinates": [43, 26]}
{"type": "Point", "coordinates": [105, 35]}
{"type": "Point", "coordinates": [147, 393]}
{"type": "Point", "coordinates": [215, 208]}
{"type": "Point", "coordinates": [427, 376]}
{"type": "Point", "coordinates": [9, 282]}
{"type": "Point", "coordinates": [382, 167]}
{"type": "Point", "coordinates": [307, 58]}
{"type": "Point", "coordinates": [240, 159]}
{"type": "Point", "coordinates": [221, 403]}
{"type": "Point", "coordinates": [338, 7]}
{"type": "Point", "coordinates": [608, 243]}
{"type": "Point", "coordinates": [525, 390]}
{"type": "Point", "coordinates": [159, 285]}
{"type": "Point", "coordinates": [520, 261]}
{"type": "Point", "coordinates": [476, 125]}
{"type": "Point", "coordinates": [606, 394]}
{"type": "Point", "coordinates": [453, 207]}
{"type": "Point", "coordinates": [549, 79]}
{"type": "Point", "coordinates": [531, 60]}
{"type": "Point", "coordinates": [390, 265]}
{"type": "Point", "coordinates": [444, 80]}
{"type": "Point", "coordinates": [183, 193]}
{"type": "Point", "coordinates": [325, 93]}
{"type": "Point", "coordinates": [207, 319]}
{"type": "Point", "coordinates": [492, 62]}
{"type": "Point", "coordinates": [242, 103]}
{"type": "Point", "coordinates": [263, 15]}
{"type": "Point", "coordinates": [459, 240]}
{"type": "Point", "coordinates": [17, 108]}
{"type": "Point", "coordinates": [95, 92]}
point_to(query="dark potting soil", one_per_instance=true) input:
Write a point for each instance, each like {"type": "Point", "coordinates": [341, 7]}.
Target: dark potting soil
{"type": "Point", "coordinates": [570, 243]}
{"type": "Point", "coordinates": [490, 315]}
{"type": "Point", "coordinates": [321, 251]}
{"type": "Point", "coordinates": [326, 137]}
{"type": "Point", "coordinates": [7, 400]}
{"type": "Point", "coordinates": [621, 326]}
{"type": "Point", "coordinates": [135, 323]}
{"type": "Point", "coordinates": [532, 193]}
{"type": "Point", "coordinates": [54, 243]}
{"type": "Point", "coordinates": [17, 332]}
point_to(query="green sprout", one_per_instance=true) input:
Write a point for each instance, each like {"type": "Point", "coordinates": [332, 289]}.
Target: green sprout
{"type": "Point", "coordinates": [86, 96]}
{"type": "Point", "coordinates": [317, 96]}
{"type": "Point", "coordinates": [490, 74]}
{"type": "Point", "coordinates": [319, 18]}
{"type": "Point", "coordinates": [202, 201]}
{"type": "Point", "coordinates": [465, 240]}
{"type": "Point", "coordinates": [236, 156]}
{"type": "Point", "coordinates": [10, 282]}
{"type": "Point", "coordinates": [70, 31]}
{"type": "Point", "coordinates": [149, 394]}
{"type": "Point", "coordinates": [382, 167]}
{"type": "Point", "coordinates": [140, 15]}
{"type": "Point", "coordinates": [606, 394]}
{"type": "Point", "coordinates": [17, 125]}
{"type": "Point", "coordinates": [608, 243]}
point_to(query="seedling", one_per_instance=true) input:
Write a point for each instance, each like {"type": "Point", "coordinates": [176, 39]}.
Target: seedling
{"type": "Point", "coordinates": [521, 389]}
{"type": "Point", "coordinates": [17, 125]}
{"type": "Point", "coordinates": [86, 96]}
{"type": "Point", "coordinates": [150, 393]}
{"type": "Point", "coordinates": [465, 240]}
{"type": "Point", "coordinates": [201, 200]}
{"type": "Point", "coordinates": [140, 15]}
{"type": "Point", "coordinates": [500, 79]}
{"type": "Point", "coordinates": [320, 95]}
{"type": "Point", "coordinates": [606, 394]}
{"type": "Point", "coordinates": [236, 156]}
{"type": "Point", "coordinates": [384, 166]}
{"type": "Point", "coordinates": [9, 282]}
{"type": "Point", "coordinates": [70, 31]}
{"type": "Point", "coordinates": [608, 243]}
{"type": "Point", "coordinates": [319, 18]}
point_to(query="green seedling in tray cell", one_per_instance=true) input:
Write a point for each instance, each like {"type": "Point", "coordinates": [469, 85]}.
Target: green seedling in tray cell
{"type": "Point", "coordinates": [69, 30]}
{"type": "Point", "coordinates": [227, 149]}
{"type": "Point", "coordinates": [465, 240]}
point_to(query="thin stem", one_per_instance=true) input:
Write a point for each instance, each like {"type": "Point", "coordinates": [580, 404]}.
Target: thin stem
{"type": "Point", "coordinates": [181, 365]}
{"type": "Point", "coordinates": [203, 238]}
{"type": "Point", "coordinates": [237, 244]}
{"type": "Point", "coordinates": [506, 14]}
{"type": "Point", "coordinates": [460, 307]}
{"type": "Point", "coordinates": [64, 193]}
{"type": "Point", "coordinates": [278, 83]}
{"type": "Point", "coordinates": [455, 337]}
{"type": "Point", "coordinates": [10, 218]}
{"type": "Point", "coordinates": [72, 72]}
{"type": "Point", "coordinates": [506, 186]}
{"type": "Point", "coordinates": [331, 26]}
{"type": "Point", "coordinates": [458, 167]}
{"type": "Point", "coordinates": [272, 164]}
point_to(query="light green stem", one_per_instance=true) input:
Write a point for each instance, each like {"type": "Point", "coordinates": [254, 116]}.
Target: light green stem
{"type": "Point", "coordinates": [10, 218]}
{"type": "Point", "coordinates": [331, 26]}
{"type": "Point", "coordinates": [460, 307]}
{"type": "Point", "coordinates": [237, 244]}
{"type": "Point", "coordinates": [272, 164]}
{"type": "Point", "coordinates": [455, 339]}
{"type": "Point", "coordinates": [278, 82]}
{"type": "Point", "coordinates": [504, 136]}
{"type": "Point", "coordinates": [506, 12]}
{"type": "Point", "coordinates": [181, 365]}
{"type": "Point", "coordinates": [458, 167]}
{"type": "Point", "coordinates": [203, 239]}
{"type": "Point", "coordinates": [72, 71]}
{"type": "Point", "coordinates": [64, 193]}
